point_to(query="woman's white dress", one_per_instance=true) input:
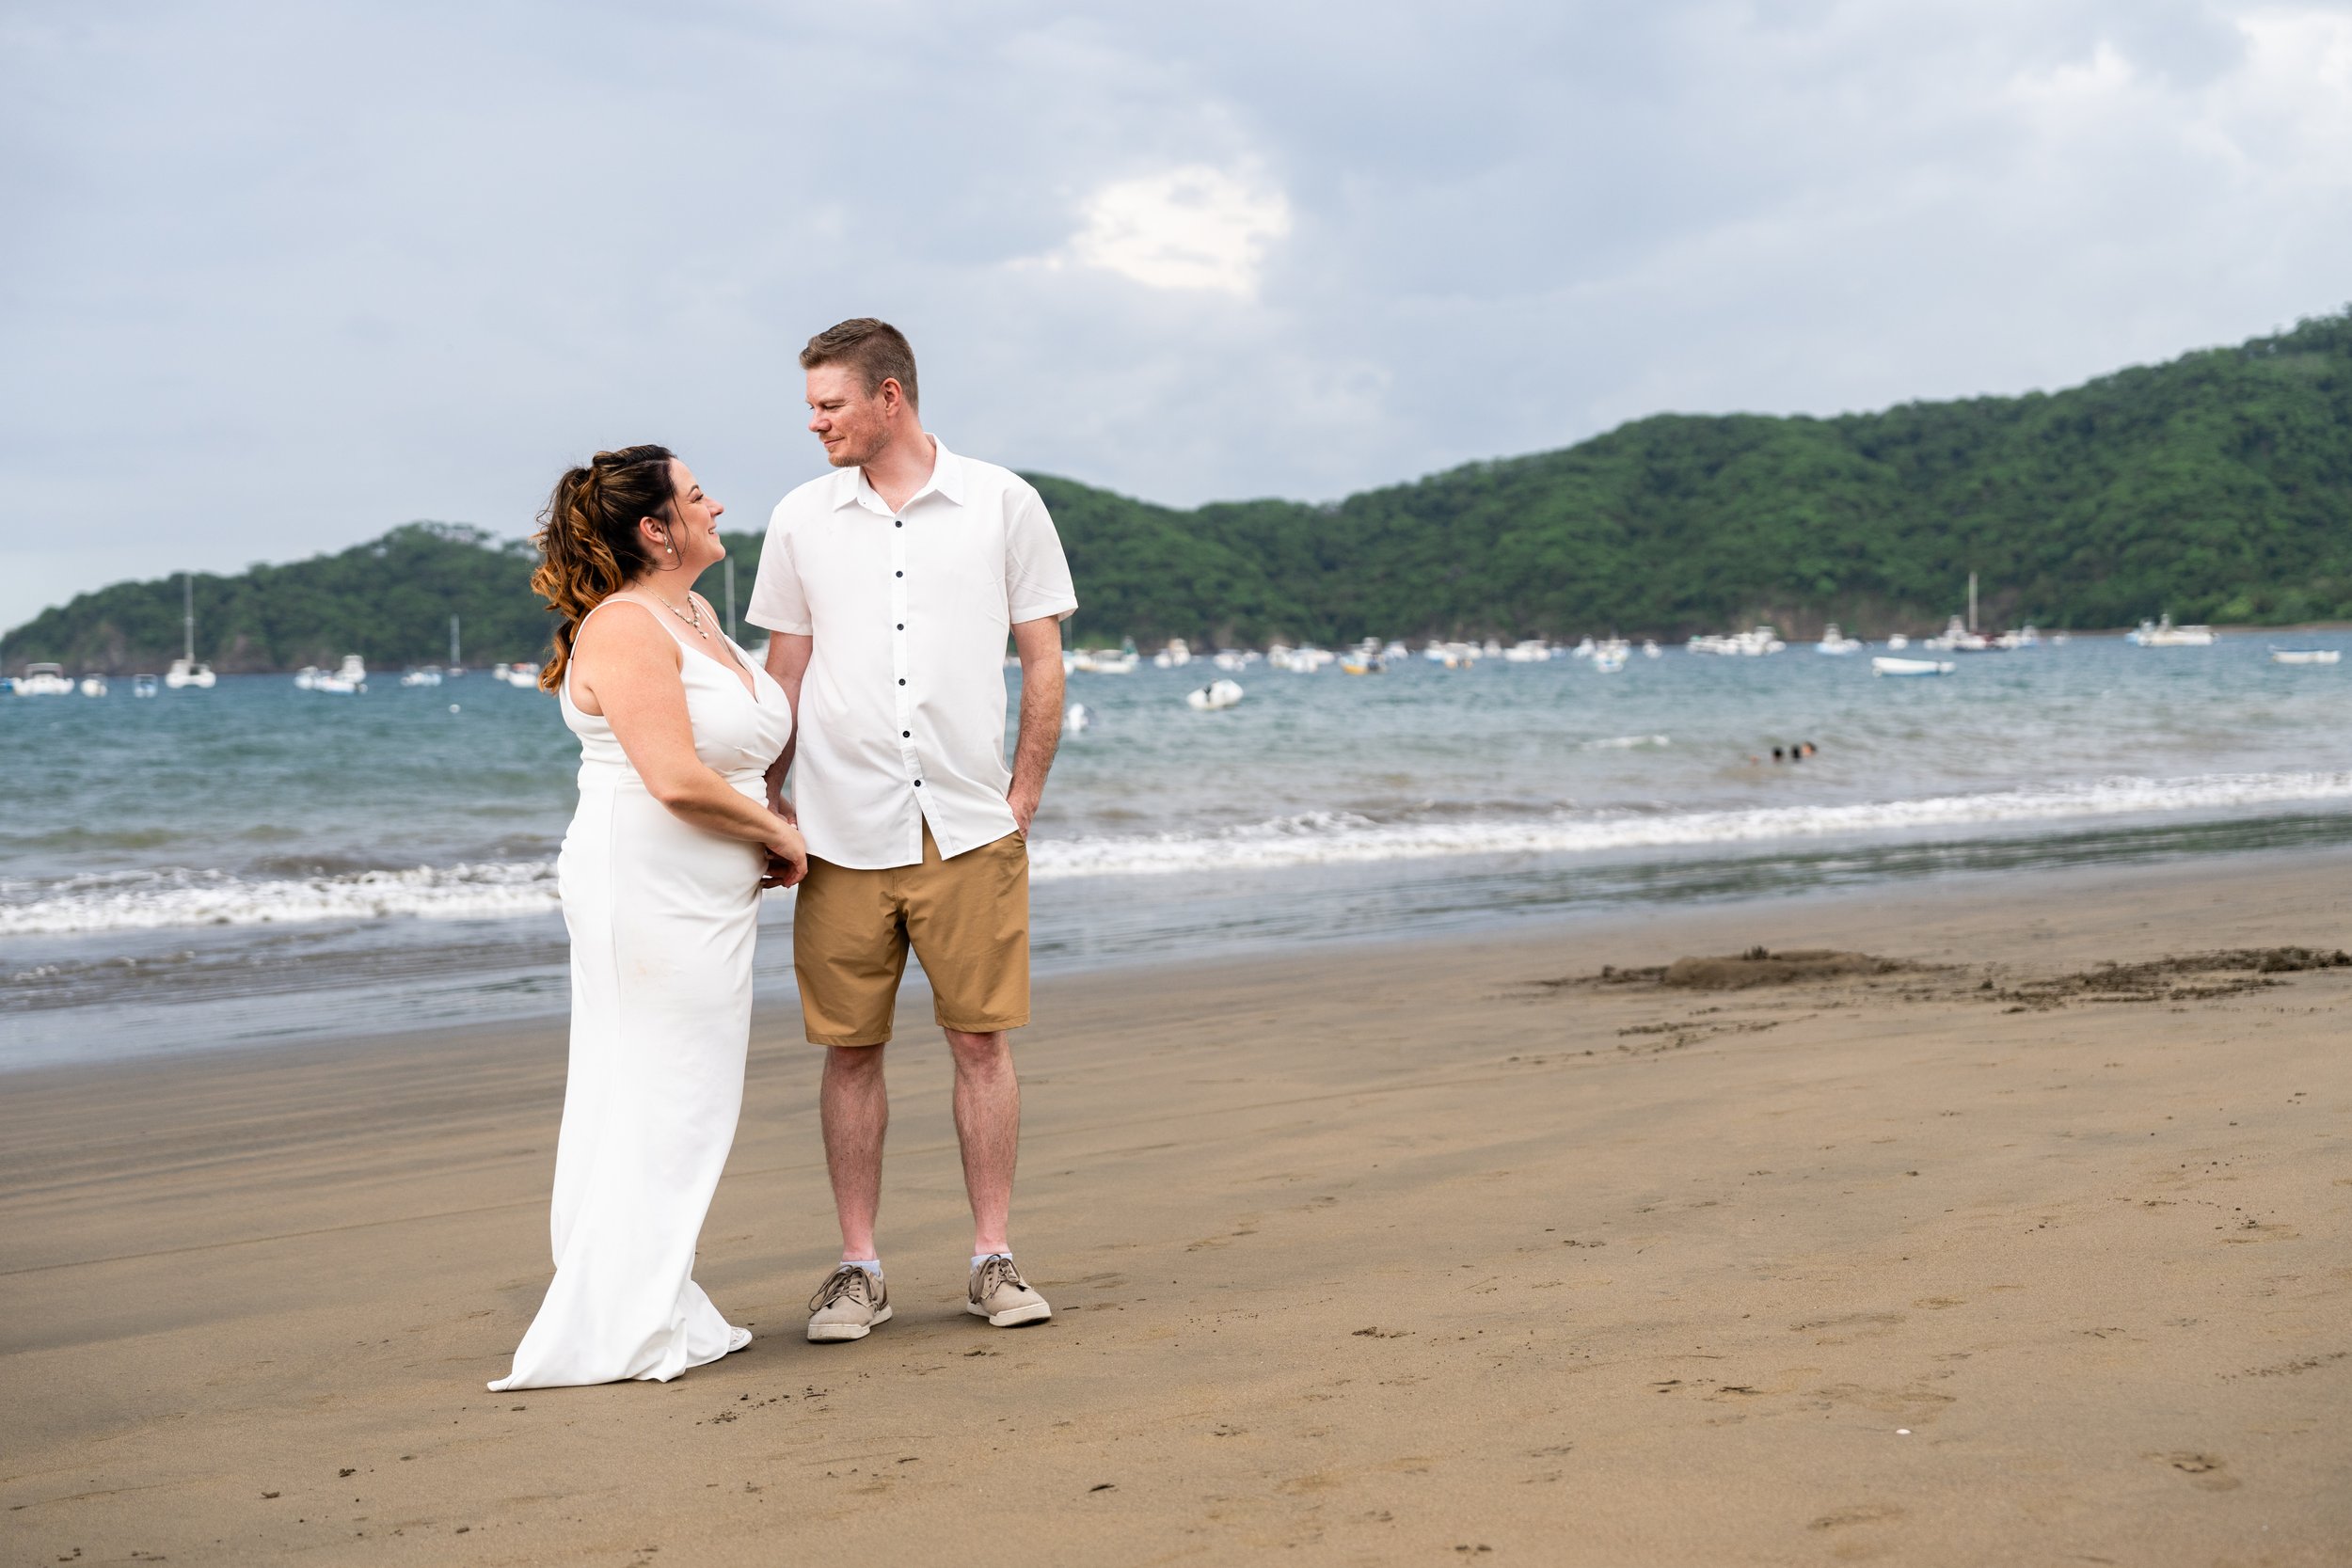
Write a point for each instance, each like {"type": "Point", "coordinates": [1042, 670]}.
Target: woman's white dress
{"type": "Point", "coordinates": [662, 918]}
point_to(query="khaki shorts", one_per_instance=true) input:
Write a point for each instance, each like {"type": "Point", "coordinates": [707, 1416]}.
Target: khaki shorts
{"type": "Point", "coordinates": [967, 920]}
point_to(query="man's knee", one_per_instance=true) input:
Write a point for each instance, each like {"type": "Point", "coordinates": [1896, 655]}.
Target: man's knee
{"type": "Point", "coordinates": [985, 1054]}
{"type": "Point", "coordinates": [854, 1063]}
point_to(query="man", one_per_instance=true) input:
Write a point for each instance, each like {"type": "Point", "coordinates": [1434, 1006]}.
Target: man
{"type": "Point", "coordinates": [890, 585]}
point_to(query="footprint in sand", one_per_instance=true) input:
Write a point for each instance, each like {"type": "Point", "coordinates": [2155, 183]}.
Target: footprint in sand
{"type": "Point", "coordinates": [1857, 1513]}
{"type": "Point", "coordinates": [1849, 1326]}
{"type": "Point", "coordinates": [2202, 1470]}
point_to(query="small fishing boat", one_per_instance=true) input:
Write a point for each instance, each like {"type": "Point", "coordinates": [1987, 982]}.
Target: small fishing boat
{"type": "Point", "coordinates": [429, 674]}
{"type": "Point", "coordinates": [347, 678]}
{"type": "Point", "coordinates": [1650, 648]}
{"type": "Point", "coordinates": [143, 686]}
{"type": "Point", "coordinates": [1836, 643]}
{"type": "Point", "coordinates": [1898, 642]}
{"type": "Point", "coordinates": [1214, 696]}
{"type": "Point", "coordinates": [1883, 666]}
{"type": "Point", "coordinates": [44, 680]}
{"type": "Point", "coordinates": [1077, 719]}
{"type": "Point", "coordinates": [93, 685]}
{"type": "Point", "coordinates": [1958, 638]}
{"type": "Point", "coordinates": [1103, 661]}
{"type": "Point", "coordinates": [2162, 633]}
{"type": "Point", "coordinates": [2305, 656]}
{"type": "Point", "coordinates": [1174, 656]}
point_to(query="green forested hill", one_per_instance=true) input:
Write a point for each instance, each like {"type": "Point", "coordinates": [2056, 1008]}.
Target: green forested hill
{"type": "Point", "coordinates": [2218, 487]}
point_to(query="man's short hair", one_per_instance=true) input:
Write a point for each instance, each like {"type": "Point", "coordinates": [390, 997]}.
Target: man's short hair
{"type": "Point", "coordinates": [876, 350]}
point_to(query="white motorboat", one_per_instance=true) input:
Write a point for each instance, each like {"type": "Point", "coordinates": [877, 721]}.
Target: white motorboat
{"type": "Point", "coordinates": [517, 673]}
{"type": "Point", "coordinates": [1174, 656]}
{"type": "Point", "coordinates": [1753, 643]}
{"type": "Point", "coordinates": [429, 674]}
{"type": "Point", "coordinates": [1650, 648]}
{"type": "Point", "coordinates": [1215, 695]}
{"type": "Point", "coordinates": [1395, 651]}
{"type": "Point", "coordinates": [2305, 656]}
{"type": "Point", "coordinates": [347, 678]}
{"type": "Point", "coordinates": [2162, 633]}
{"type": "Point", "coordinates": [1898, 642]}
{"type": "Point", "coordinates": [93, 685]}
{"type": "Point", "coordinates": [1231, 658]}
{"type": "Point", "coordinates": [1453, 656]}
{"type": "Point", "coordinates": [1298, 661]}
{"type": "Point", "coordinates": [44, 680]}
{"type": "Point", "coordinates": [1609, 657]}
{"type": "Point", "coordinates": [1958, 638]}
{"type": "Point", "coordinates": [1883, 666]}
{"type": "Point", "coordinates": [2022, 637]}
{"type": "Point", "coordinates": [186, 672]}
{"type": "Point", "coordinates": [1077, 719]}
{"type": "Point", "coordinates": [1103, 661]}
{"type": "Point", "coordinates": [1534, 650]}
{"type": "Point", "coordinates": [1835, 643]}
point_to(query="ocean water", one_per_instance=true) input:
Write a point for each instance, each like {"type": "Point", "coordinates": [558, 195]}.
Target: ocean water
{"type": "Point", "coordinates": [254, 863]}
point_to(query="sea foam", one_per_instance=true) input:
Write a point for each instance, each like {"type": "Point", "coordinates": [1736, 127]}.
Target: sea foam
{"type": "Point", "coordinates": [171, 897]}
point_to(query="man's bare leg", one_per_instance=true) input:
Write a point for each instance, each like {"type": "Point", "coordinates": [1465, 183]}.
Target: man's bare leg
{"type": "Point", "coordinates": [988, 1129]}
{"type": "Point", "coordinates": [855, 1107]}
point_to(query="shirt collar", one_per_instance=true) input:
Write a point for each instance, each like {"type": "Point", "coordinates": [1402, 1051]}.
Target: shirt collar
{"type": "Point", "coordinates": [946, 481]}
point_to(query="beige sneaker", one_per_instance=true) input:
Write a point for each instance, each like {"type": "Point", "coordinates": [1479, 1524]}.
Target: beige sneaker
{"type": "Point", "coordinates": [848, 1305]}
{"type": "Point", "coordinates": [998, 1293]}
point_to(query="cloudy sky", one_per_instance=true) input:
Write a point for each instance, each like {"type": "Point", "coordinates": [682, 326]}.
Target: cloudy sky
{"type": "Point", "coordinates": [280, 276]}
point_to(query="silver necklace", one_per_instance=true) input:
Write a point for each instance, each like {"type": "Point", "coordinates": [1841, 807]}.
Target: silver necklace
{"type": "Point", "coordinates": [694, 619]}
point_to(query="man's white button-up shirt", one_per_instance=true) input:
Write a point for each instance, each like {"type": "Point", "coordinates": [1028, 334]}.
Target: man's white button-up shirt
{"type": "Point", "coordinates": [902, 710]}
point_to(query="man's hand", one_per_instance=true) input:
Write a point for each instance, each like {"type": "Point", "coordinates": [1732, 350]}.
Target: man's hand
{"type": "Point", "coordinates": [1024, 805]}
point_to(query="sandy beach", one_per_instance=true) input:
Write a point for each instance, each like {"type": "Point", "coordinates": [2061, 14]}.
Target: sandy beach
{"type": "Point", "coordinates": [1393, 1253]}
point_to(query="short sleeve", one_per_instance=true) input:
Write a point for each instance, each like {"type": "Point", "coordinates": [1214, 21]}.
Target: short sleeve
{"type": "Point", "coordinates": [778, 601]}
{"type": "Point", "coordinates": [1037, 575]}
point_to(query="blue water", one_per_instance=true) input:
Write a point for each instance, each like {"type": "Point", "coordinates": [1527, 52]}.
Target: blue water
{"type": "Point", "coordinates": [255, 861]}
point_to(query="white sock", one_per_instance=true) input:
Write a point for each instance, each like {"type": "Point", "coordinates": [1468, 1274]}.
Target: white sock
{"type": "Point", "coordinates": [871, 1265]}
{"type": "Point", "coordinates": [979, 1258]}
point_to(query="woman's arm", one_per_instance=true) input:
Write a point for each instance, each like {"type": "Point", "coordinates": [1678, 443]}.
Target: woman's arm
{"type": "Point", "coordinates": [626, 666]}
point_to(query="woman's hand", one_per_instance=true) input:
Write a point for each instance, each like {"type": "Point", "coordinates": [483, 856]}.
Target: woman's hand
{"type": "Point", "coordinates": [787, 859]}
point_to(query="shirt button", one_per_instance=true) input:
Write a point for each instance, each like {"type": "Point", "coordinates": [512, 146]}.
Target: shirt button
{"type": "Point", "coordinates": [897, 574]}
{"type": "Point", "coordinates": [902, 626]}
{"type": "Point", "coordinates": [906, 735]}
{"type": "Point", "coordinates": [902, 680]}
{"type": "Point", "coordinates": [899, 525]}
{"type": "Point", "coordinates": [918, 784]}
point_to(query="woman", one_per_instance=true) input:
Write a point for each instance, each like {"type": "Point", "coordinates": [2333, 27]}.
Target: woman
{"type": "Point", "coordinates": [660, 876]}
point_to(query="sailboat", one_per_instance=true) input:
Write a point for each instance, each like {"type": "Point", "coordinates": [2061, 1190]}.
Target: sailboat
{"type": "Point", "coordinates": [185, 671]}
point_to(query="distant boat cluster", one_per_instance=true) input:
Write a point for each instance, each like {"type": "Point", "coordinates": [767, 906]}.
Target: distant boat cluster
{"type": "Point", "coordinates": [1612, 655]}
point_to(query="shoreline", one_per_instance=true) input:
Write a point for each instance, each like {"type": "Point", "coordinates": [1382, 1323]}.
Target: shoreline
{"type": "Point", "coordinates": [2022, 861]}
{"type": "Point", "coordinates": [1373, 1253]}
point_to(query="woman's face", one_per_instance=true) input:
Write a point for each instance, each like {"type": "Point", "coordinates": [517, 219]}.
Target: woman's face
{"type": "Point", "coordinates": [695, 533]}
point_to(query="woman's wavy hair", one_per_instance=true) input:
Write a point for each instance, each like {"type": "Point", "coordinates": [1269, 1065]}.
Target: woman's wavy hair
{"type": "Point", "coordinates": [589, 547]}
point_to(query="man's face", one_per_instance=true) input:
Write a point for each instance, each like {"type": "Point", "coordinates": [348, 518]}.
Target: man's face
{"type": "Point", "coordinates": [853, 424]}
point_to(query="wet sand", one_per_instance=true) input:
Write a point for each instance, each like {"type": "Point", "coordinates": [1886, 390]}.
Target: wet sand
{"type": "Point", "coordinates": [1390, 1254]}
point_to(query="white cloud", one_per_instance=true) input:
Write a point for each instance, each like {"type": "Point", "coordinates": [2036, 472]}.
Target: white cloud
{"type": "Point", "coordinates": [1188, 228]}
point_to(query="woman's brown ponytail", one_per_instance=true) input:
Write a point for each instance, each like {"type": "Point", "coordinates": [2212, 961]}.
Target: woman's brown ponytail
{"type": "Point", "coordinates": [589, 546]}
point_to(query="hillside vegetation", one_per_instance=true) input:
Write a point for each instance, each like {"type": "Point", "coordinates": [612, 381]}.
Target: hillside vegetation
{"type": "Point", "coordinates": [2216, 486]}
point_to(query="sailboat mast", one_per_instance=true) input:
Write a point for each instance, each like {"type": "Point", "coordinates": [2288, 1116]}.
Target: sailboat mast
{"type": "Point", "coordinates": [187, 614]}
{"type": "Point", "coordinates": [1972, 601]}
{"type": "Point", "coordinates": [452, 640]}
